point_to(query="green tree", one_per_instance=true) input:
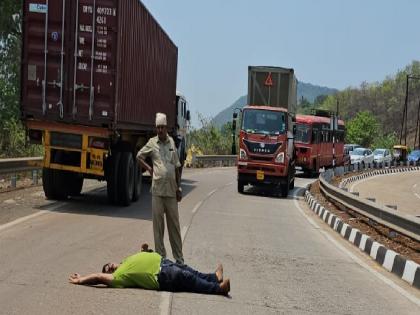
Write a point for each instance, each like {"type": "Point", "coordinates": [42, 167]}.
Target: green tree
{"type": "Point", "coordinates": [210, 139]}
{"type": "Point", "coordinates": [12, 132]}
{"type": "Point", "coordinates": [363, 129]}
{"type": "Point", "coordinates": [385, 141]}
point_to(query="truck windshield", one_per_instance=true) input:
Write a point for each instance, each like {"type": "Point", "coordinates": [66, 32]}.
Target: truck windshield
{"type": "Point", "coordinates": [303, 133]}
{"type": "Point", "coordinates": [264, 122]}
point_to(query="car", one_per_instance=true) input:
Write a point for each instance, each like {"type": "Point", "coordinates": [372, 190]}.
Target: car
{"type": "Point", "coordinates": [382, 156]}
{"type": "Point", "coordinates": [361, 156]}
{"type": "Point", "coordinates": [351, 147]}
{"type": "Point", "coordinates": [414, 156]}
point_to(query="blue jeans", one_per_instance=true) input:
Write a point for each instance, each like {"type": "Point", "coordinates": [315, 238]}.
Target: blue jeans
{"type": "Point", "coordinates": [176, 277]}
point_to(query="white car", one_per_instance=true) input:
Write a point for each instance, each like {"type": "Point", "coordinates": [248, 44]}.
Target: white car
{"type": "Point", "coordinates": [382, 156]}
{"type": "Point", "coordinates": [362, 156]}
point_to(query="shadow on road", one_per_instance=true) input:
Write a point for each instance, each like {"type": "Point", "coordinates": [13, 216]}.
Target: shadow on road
{"type": "Point", "coordinates": [95, 202]}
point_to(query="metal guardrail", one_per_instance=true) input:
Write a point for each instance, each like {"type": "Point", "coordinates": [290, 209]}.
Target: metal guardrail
{"type": "Point", "coordinates": [9, 166]}
{"type": "Point", "coordinates": [214, 160]}
{"type": "Point", "coordinates": [19, 165]}
{"type": "Point", "coordinates": [404, 224]}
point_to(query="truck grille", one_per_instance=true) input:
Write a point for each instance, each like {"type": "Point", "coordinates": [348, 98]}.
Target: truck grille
{"type": "Point", "coordinates": [262, 148]}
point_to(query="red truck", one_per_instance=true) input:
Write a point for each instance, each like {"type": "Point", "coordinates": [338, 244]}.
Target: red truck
{"type": "Point", "coordinates": [266, 147]}
{"type": "Point", "coordinates": [94, 73]}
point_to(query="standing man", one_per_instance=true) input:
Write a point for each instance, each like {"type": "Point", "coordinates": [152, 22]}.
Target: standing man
{"type": "Point", "coordinates": [166, 187]}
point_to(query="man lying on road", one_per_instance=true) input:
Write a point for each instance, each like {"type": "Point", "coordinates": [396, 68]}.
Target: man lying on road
{"type": "Point", "coordinates": [148, 270]}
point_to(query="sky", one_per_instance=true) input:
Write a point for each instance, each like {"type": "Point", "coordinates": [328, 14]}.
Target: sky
{"type": "Point", "coordinates": [332, 43]}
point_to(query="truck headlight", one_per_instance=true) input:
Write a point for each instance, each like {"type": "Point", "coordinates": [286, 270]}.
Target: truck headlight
{"type": "Point", "coordinates": [242, 155]}
{"type": "Point", "coordinates": [280, 158]}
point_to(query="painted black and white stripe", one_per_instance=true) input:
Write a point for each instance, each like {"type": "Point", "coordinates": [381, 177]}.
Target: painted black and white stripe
{"type": "Point", "coordinates": [351, 179]}
{"type": "Point", "coordinates": [408, 270]}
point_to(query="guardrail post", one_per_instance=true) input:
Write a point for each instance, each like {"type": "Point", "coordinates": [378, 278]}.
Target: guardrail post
{"type": "Point", "coordinates": [35, 177]}
{"type": "Point", "coordinates": [13, 181]}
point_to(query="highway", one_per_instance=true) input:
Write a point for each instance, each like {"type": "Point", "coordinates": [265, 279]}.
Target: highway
{"type": "Point", "coordinates": [400, 189]}
{"type": "Point", "coordinates": [280, 257]}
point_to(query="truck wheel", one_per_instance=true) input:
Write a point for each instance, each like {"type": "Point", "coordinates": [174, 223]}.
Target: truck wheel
{"type": "Point", "coordinates": [241, 185]}
{"type": "Point", "coordinates": [48, 182]}
{"type": "Point", "coordinates": [285, 187]}
{"type": "Point", "coordinates": [54, 184]}
{"type": "Point", "coordinates": [112, 176]}
{"type": "Point", "coordinates": [125, 178]}
{"type": "Point", "coordinates": [75, 184]}
{"type": "Point", "coordinates": [292, 185]}
{"type": "Point", "coordinates": [137, 181]}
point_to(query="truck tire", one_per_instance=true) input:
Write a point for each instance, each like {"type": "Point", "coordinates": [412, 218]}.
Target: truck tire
{"type": "Point", "coordinates": [285, 187]}
{"type": "Point", "coordinates": [75, 184]}
{"type": "Point", "coordinates": [241, 185]}
{"type": "Point", "coordinates": [137, 181]}
{"type": "Point", "coordinates": [292, 184]}
{"type": "Point", "coordinates": [48, 183]}
{"type": "Point", "coordinates": [125, 178]}
{"type": "Point", "coordinates": [54, 184]}
{"type": "Point", "coordinates": [112, 176]}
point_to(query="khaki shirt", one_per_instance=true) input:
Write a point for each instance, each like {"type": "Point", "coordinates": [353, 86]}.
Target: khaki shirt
{"type": "Point", "coordinates": [165, 158]}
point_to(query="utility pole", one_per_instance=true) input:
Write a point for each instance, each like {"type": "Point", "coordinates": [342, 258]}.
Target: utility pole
{"type": "Point", "coordinates": [404, 123]}
{"type": "Point", "coordinates": [417, 128]}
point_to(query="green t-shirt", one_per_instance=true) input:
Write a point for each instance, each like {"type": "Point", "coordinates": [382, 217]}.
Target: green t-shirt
{"type": "Point", "coordinates": [139, 270]}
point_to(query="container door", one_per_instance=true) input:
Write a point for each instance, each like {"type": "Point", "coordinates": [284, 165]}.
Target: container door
{"type": "Point", "coordinates": [93, 63]}
{"type": "Point", "coordinates": [44, 58]}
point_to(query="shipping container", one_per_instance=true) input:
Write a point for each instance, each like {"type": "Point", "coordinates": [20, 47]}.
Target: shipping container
{"type": "Point", "coordinates": [272, 86]}
{"type": "Point", "coordinates": [103, 63]}
{"type": "Point", "coordinates": [94, 75]}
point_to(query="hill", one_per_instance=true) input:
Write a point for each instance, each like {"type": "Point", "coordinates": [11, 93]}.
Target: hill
{"type": "Point", "coordinates": [306, 90]}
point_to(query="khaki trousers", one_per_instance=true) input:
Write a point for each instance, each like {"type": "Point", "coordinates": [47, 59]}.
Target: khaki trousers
{"type": "Point", "coordinates": [160, 207]}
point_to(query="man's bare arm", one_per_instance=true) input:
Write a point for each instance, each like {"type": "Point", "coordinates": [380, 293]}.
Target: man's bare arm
{"type": "Point", "coordinates": [92, 279]}
{"type": "Point", "coordinates": [145, 165]}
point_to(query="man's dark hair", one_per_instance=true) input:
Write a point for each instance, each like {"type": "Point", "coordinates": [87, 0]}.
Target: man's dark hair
{"type": "Point", "coordinates": [104, 269]}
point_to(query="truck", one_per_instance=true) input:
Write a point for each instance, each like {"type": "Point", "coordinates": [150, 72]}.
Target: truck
{"type": "Point", "coordinates": [93, 75]}
{"type": "Point", "coordinates": [266, 146]}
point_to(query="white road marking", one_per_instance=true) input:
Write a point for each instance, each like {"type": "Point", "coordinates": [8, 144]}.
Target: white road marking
{"type": "Point", "coordinates": [389, 282]}
{"type": "Point", "coordinates": [23, 219]}
{"type": "Point", "coordinates": [211, 193]}
{"type": "Point", "coordinates": [184, 232]}
{"type": "Point", "coordinates": [53, 207]}
{"type": "Point", "coordinates": [198, 205]}
{"type": "Point", "coordinates": [165, 303]}
{"type": "Point", "coordinates": [166, 300]}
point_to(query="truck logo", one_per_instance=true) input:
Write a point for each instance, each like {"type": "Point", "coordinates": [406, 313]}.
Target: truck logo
{"type": "Point", "coordinates": [262, 145]}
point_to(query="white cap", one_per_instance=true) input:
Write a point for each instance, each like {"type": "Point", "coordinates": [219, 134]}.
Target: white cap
{"type": "Point", "coordinates": [160, 119]}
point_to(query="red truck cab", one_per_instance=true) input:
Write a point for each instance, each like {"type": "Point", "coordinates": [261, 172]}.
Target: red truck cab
{"type": "Point", "coordinates": [265, 149]}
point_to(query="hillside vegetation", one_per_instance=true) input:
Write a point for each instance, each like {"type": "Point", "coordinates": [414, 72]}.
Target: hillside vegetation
{"type": "Point", "coordinates": [384, 100]}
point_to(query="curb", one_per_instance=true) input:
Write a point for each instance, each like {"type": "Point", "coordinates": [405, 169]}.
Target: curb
{"type": "Point", "coordinates": [405, 269]}
{"type": "Point", "coordinates": [351, 179]}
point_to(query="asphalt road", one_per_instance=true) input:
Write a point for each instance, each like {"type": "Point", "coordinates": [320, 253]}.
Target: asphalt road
{"type": "Point", "coordinates": [400, 189]}
{"type": "Point", "coordinates": [280, 257]}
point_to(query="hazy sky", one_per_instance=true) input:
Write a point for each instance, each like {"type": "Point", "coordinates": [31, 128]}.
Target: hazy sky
{"type": "Point", "coordinates": [333, 43]}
